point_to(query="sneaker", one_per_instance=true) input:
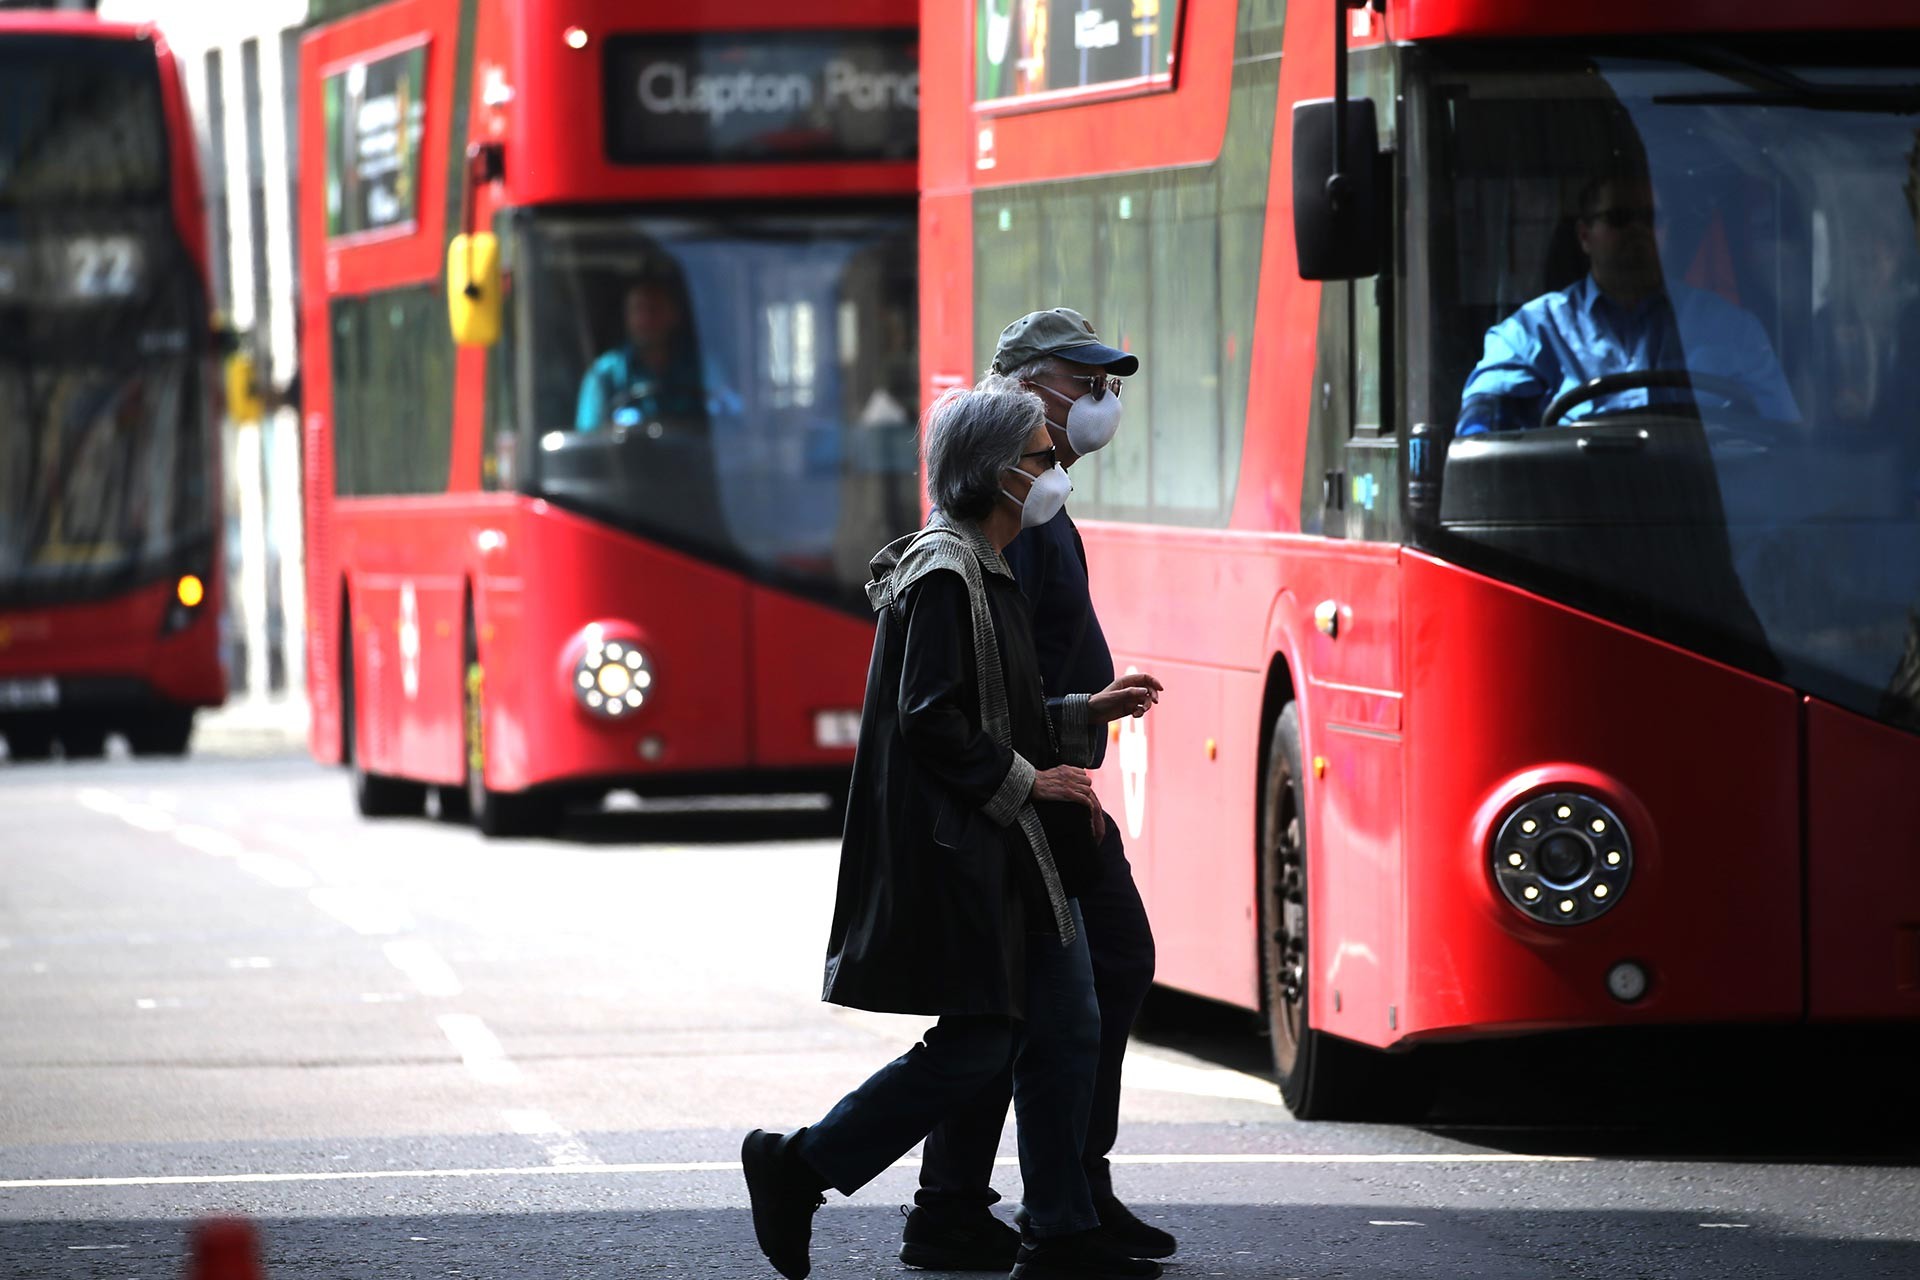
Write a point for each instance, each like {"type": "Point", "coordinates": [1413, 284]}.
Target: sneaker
{"type": "Point", "coordinates": [785, 1195]}
{"type": "Point", "coordinates": [1129, 1233]}
{"type": "Point", "coordinates": [1084, 1255]}
{"type": "Point", "coordinates": [972, 1240]}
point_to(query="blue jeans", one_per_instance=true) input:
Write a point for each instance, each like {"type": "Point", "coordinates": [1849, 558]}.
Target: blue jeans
{"type": "Point", "coordinates": [957, 1170]}
{"type": "Point", "coordinates": [1054, 1053]}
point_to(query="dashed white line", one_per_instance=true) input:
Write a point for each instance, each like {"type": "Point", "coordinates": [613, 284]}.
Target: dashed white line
{"type": "Point", "coordinates": [479, 1048]}
{"type": "Point", "coordinates": [207, 840]}
{"type": "Point", "coordinates": [1729, 1226]}
{"type": "Point", "coordinates": [362, 910]}
{"type": "Point", "coordinates": [430, 975]}
{"type": "Point", "coordinates": [562, 1148]}
{"type": "Point", "coordinates": [1389, 1222]}
{"type": "Point", "coordinates": [696, 1166]}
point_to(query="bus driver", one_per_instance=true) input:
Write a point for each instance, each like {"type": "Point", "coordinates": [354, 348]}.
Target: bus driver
{"type": "Point", "coordinates": [1623, 316]}
{"type": "Point", "coordinates": [655, 374]}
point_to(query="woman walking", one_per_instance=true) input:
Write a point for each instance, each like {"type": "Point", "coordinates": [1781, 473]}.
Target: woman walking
{"type": "Point", "coordinates": [968, 825]}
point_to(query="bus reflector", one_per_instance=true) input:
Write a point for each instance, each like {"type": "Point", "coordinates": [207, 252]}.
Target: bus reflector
{"type": "Point", "coordinates": [190, 590]}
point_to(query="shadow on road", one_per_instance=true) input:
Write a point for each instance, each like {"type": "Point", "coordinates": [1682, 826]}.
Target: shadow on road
{"type": "Point", "coordinates": [717, 820]}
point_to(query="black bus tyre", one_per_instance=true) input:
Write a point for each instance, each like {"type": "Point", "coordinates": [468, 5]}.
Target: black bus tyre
{"type": "Point", "coordinates": [83, 740]}
{"type": "Point", "coordinates": [29, 741]}
{"type": "Point", "coordinates": [161, 733]}
{"type": "Point", "coordinates": [495, 814]}
{"type": "Point", "coordinates": [1321, 1075]}
{"type": "Point", "coordinates": [374, 795]}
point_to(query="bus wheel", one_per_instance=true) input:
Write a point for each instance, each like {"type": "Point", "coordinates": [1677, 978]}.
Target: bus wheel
{"type": "Point", "coordinates": [1305, 1060]}
{"type": "Point", "coordinates": [494, 813]}
{"type": "Point", "coordinates": [83, 739]}
{"type": "Point", "coordinates": [161, 733]}
{"type": "Point", "coordinates": [30, 740]}
{"type": "Point", "coordinates": [1321, 1076]}
{"type": "Point", "coordinates": [374, 796]}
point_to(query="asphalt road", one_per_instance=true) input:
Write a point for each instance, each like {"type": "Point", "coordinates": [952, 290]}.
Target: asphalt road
{"type": "Point", "coordinates": [406, 1052]}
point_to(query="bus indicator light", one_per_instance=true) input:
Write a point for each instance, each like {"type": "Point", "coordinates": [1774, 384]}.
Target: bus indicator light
{"type": "Point", "coordinates": [190, 591]}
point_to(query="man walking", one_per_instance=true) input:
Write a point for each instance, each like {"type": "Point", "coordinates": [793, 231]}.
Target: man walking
{"type": "Point", "coordinates": [1056, 355]}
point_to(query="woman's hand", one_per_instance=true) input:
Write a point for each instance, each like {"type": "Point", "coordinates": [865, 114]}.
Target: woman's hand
{"type": "Point", "coordinates": [1064, 782]}
{"type": "Point", "coordinates": [1130, 695]}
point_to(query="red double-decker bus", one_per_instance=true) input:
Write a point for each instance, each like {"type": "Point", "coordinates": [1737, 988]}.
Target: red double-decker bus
{"type": "Point", "coordinates": [1520, 676]}
{"type": "Point", "coordinates": [110, 572]}
{"type": "Point", "coordinates": [609, 330]}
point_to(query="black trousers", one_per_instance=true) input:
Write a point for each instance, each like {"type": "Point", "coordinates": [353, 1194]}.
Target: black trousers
{"type": "Point", "coordinates": [956, 1170]}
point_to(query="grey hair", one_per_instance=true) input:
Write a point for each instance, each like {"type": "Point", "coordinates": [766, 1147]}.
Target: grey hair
{"type": "Point", "coordinates": [1038, 367]}
{"type": "Point", "coordinates": [972, 436]}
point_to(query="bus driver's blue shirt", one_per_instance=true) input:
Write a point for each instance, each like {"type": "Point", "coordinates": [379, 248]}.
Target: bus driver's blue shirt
{"type": "Point", "coordinates": [621, 375]}
{"type": "Point", "coordinates": [1565, 339]}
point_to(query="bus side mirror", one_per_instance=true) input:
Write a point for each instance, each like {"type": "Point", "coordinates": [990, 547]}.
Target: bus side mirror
{"type": "Point", "coordinates": [242, 376]}
{"type": "Point", "coordinates": [473, 288]}
{"type": "Point", "coordinates": [1336, 222]}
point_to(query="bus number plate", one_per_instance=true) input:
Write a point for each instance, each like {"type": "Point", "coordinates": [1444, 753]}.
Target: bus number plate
{"type": "Point", "coordinates": [836, 729]}
{"type": "Point", "coordinates": [35, 694]}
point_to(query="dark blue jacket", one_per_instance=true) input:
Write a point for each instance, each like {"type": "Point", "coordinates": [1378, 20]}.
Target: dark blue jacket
{"type": "Point", "coordinates": [1050, 564]}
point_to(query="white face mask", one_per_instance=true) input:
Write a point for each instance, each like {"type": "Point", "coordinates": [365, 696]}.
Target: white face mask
{"type": "Point", "coordinates": [1091, 424]}
{"type": "Point", "coordinates": [1046, 495]}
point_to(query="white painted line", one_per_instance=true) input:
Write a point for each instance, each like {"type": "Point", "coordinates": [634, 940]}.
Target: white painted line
{"type": "Point", "coordinates": [479, 1048]}
{"type": "Point", "coordinates": [99, 801]}
{"type": "Point", "coordinates": [250, 962]}
{"type": "Point", "coordinates": [1387, 1222]}
{"type": "Point", "coordinates": [162, 1002]}
{"type": "Point", "coordinates": [1150, 1071]}
{"type": "Point", "coordinates": [423, 966]}
{"type": "Point", "coordinates": [562, 1148]}
{"type": "Point", "coordinates": [275, 870]}
{"type": "Point", "coordinates": [695, 1166]}
{"type": "Point", "coordinates": [207, 840]}
{"type": "Point", "coordinates": [89, 1248]}
{"type": "Point", "coordinates": [147, 818]}
{"type": "Point", "coordinates": [1729, 1226]}
{"type": "Point", "coordinates": [362, 910]}
{"type": "Point", "coordinates": [163, 799]}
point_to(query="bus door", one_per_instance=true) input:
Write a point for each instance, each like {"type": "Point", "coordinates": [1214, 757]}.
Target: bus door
{"type": "Point", "coordinates": [1353, 674]}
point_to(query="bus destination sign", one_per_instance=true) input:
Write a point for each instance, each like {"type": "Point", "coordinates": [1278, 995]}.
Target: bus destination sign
{"type": "Point", "coordinates": [766, 97]}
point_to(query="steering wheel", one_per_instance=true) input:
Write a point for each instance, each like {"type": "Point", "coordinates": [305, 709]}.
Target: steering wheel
{"type": "Point", "coordinates": [1737, 394]}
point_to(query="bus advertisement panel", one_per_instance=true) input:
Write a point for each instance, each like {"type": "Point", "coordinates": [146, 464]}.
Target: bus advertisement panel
{"type": "Point", "coordinates": [110, 578]}
{"type": "Point", "coordinates": [1525, 521]}
{"type": "Point", "coordinates": [612, 345]}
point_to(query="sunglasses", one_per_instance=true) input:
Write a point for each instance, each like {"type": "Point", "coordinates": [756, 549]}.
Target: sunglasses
{"type": "Point", "coordinates": [1621, 219]}
{"type": "Point", "coordinates": [1098, 384]}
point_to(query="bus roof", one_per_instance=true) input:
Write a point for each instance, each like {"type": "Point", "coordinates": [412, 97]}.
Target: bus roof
{"type": "Point", "coordinates": [66, 22]}
{"type": "Point", "coordinates": [1449, 19]}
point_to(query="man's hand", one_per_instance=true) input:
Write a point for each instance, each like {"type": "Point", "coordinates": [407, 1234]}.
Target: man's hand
{"type": "Point", "coordinates": [1130, 695]}
{"type": "Point", "coordinates": [1064, 782]}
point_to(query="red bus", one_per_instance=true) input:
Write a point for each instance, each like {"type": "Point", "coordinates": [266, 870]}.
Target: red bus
{"type": "Point", "coordinates": [110, 566]}
{"type": "Point", "coordinates": [613, 533]}
{"type": "Point", "coordinates": [1598, 724]}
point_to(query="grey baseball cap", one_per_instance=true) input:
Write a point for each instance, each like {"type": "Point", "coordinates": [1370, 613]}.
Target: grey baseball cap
{"type": "Point", "coordinates": [1062, 332]}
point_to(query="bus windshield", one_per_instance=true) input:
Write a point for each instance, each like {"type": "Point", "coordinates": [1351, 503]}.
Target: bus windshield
{"type": "Point", "coordinates": [1668, 309]}
{"type": "Point", "coordinates": [742, 388]}
{"type": "Point", "coordinates": [104, 473]}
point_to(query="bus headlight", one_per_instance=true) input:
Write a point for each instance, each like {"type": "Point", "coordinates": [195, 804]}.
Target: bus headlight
{"type": "Point", "coordinates": [613, 678]}
{"type": "Point", "coordinates": [1563, 858]}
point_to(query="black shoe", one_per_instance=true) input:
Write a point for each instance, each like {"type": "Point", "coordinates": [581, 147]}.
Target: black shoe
{"type": "Point", "coordinates": [785, 1194]}
{"type": "Point", "coordinates": [1084, 1255]}
{"type": "Point", "coordinates": [971, 1240]}
{"type": "Point", "coordinates": [1129, 1233]}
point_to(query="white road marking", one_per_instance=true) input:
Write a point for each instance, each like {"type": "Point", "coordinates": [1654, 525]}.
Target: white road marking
{"type": "Point", "coordinates": [423, 966]}
{"type": "Point", "coordinates": [1387, 1222]}
{"type": "Point", "coordinates": [100, 801]}
{"type": "Point", "coordinates": [703, 1166]}
{"type": "Point", "coordinates": [1166, 1075]}
{"type": "Point", "coordinates": [275, 870]}
{"type": "Point", "coordinates": [1730, 1226]}
{"type": "Point", "coordinates": [146, 817]}
{"type": "Point", "coordinates": [207, 840]}
{"type": "Point", "coordinates": [362, 910]}
{"type": "Point", "coordinates": [250, 962]}
{"type": "Point", "coordinates": [160, 1002]}
{"type": "Point", "coordinates": [562, 1148]}
{"type": "Point", "coordinates": [89, 1248]}
{"type": "Point", "coordinates": [479, 1048]}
